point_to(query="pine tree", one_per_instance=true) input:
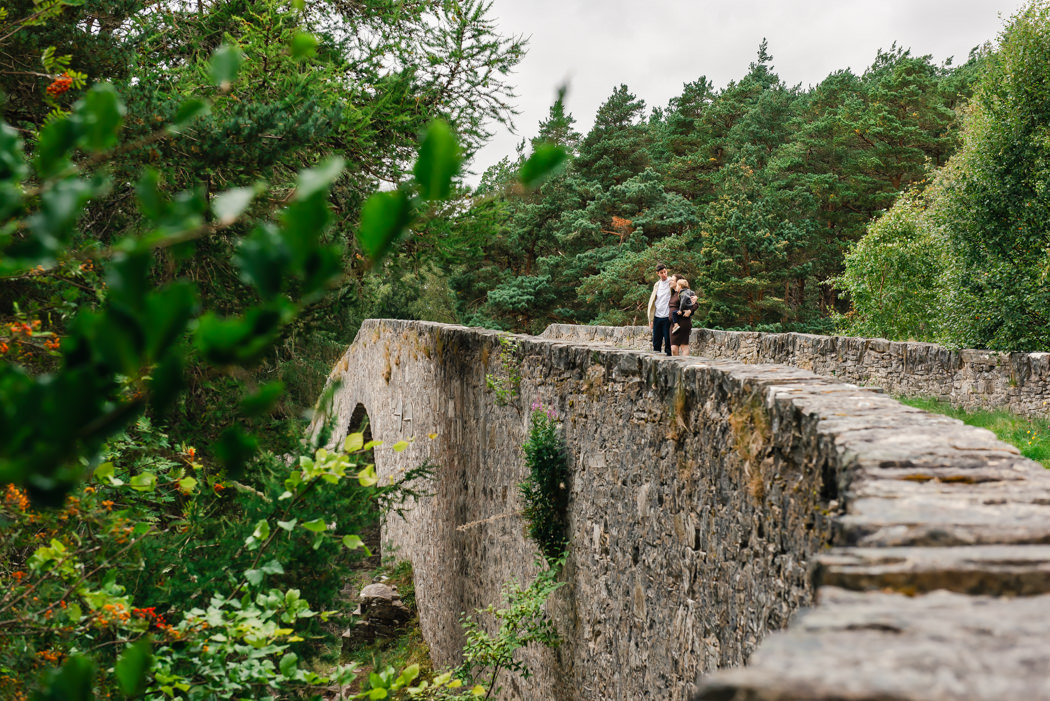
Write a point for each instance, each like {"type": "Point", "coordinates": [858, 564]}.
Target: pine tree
{"type": "Point", "coordinates": [614, 149]}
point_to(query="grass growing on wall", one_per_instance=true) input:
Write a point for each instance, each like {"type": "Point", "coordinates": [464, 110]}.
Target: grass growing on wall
{"type": "Point", "coordinates": [1030, 436]}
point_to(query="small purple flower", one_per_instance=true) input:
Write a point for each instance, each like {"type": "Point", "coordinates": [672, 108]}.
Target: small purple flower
{"type": "Point", "coordinates": [536, 404]}
{"type": "Point", "coordinates": [552, 413]}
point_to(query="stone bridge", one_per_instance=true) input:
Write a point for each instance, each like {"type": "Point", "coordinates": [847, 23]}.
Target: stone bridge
{"type": "Point", "coordinates": [739, 530]}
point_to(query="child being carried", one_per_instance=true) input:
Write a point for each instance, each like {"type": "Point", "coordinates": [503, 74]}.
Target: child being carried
{"type": "Point", "coordinates": [686, 303]}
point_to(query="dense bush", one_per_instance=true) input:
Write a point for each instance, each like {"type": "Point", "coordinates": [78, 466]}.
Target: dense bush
{"type": "Point", "coordinates": [894, 274]}
{"type": "Point", "coordinates": [545, 492]}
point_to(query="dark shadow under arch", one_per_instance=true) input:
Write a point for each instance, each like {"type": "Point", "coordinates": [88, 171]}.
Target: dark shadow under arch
{"type": "Point", "coordinates": [360, 422]}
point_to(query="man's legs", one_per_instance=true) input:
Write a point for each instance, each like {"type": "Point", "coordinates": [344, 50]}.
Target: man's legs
{"type": "Point", "coordinates": [662, 335]}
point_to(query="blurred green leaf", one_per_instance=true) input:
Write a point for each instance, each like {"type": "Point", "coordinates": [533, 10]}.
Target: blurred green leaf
{"type": "Point", "coordinates": [321, 177]}
{"type": "Point", "coordinates": [54, 147]}
{"type": "Point", "coordinates": [289, 663]}
{"type": "Point", "coordinates": [438, 161]}
{"type": "Point", "coordinates": [263, 399]}
{"type": "Point", "coordinates": [166, 381]}
{"type": "Point", "coordinates": [303, 45]}
{"type": "Point", "coordinates": [234, 449]}
{"type": "Point", "coordinates": [316, 526]}
{"type": "Point", "coordinates": [12, 159]}
{"type": "Point", "coordinates": [354, 442]}
{"type": "Point", "coordinates": [10, 201]}
{"type": "Point", "coordinates": [225, 63]}
{"type": "Point", "coordinates": [408, 675]}
{"type": "Point", "coordinates": [104, 472]}
{"type": "Point", "coordinates": [263, 259]}
{"type": "Point", "coordinates": [241, 340]}
{"type": "Point", "coordinates": [143, 482]}
{"type": "Point", "coordinates": [132, 668]}
{"type": "Point", "coordinates": [151, 202]}
{"type": "Point", "coordinates": [302, 224]}
{"type": "Point", "coordinates": [128, 277]}
{"type": "Point", "coordinates": [384, 218]}
{"type": "Point", "coordinates": [116, 337]}
{"type": "Point", "coordinates": [72, 682]}
{"type": "Point", "coordinates": [262, 530]}
{"type": "Point", "coordinates": [322, 267]}
{"type": "Point", "coordinates": [367, 476]}
{"type": "Point", "coordinates": [60, 208]}
{"type": "Point", "coordinates": [229, 205]}
{"type": "Point", "coordinates": [168, 311]}
{"type": "Point", "coordinates": [273, 567]}
{"type": "Point", "coordinates": [188, 111]}
{"type": "Point", "coordinates": [546, 160]}
{"type": "Point", "coordinates": [100, 114]}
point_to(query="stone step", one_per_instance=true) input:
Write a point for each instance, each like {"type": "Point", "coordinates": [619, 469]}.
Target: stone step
{"type": "Point", "coordinates": [987, 513]}
{"type": "Point", "coordinates": [999, 570]}
{"type": "Point", "coordinates": [874, 646]}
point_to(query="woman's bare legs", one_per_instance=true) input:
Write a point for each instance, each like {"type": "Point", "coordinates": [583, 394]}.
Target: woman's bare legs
{"type": "Point", "coordinates": [674, 350]}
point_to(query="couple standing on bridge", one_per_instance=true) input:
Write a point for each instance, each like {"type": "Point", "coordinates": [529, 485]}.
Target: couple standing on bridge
{"type": "Point", "coordinates": [671, 307]}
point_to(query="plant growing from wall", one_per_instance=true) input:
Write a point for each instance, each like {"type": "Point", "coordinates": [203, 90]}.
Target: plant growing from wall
{"type": "Point", "coordinates": [520, 622]}
{"type": "Point", "coordinates": [507, 383]}
{"type": "Point", "coordinates": [546, 489]}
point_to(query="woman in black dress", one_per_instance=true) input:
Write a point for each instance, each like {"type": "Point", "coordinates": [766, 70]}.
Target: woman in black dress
{"type": "Point", "coordinates": [680, 338]}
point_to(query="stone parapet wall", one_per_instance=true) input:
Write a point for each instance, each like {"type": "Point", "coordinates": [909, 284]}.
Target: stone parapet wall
{"type": "Point", "coordinates": [970, 379]}
{"type": "Point", "coordinates": [704, 493]}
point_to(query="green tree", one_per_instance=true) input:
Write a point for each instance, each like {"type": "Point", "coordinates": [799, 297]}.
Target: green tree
{"type": "Point", "coordinates": [981, 226]}
{"type": "Point", "coordinates": [746, 231]}
{"type": "Point", "coordinates": [614, 150]}
{"type": "Point", "coordinates": [894, 274]}
{"type": "Point", "coordinates": [43, 42]}
{"type": "Point", "coordinates": [686, 139]}
{"type": "Point", "coordinates": [997, 223]}
{"type": "Point", "coordinates": [503, 286]}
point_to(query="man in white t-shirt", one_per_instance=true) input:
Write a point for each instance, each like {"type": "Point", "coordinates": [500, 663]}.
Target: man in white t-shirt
{"type": "Point", "coordinates": [659, 314]}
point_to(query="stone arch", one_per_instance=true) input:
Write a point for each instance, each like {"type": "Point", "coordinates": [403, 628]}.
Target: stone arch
{"type": "Point", "coordinates": [360, 422]}
{"type": "Point", "coordinates": [704, 489]}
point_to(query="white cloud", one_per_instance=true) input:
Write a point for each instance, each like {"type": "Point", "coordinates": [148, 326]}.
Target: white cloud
{"type": "Point", "coordinates": [656, 46]}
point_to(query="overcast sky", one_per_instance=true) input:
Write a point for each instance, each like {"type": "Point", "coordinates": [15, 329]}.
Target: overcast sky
{"type": "Point", "coordinates": [656, 46]}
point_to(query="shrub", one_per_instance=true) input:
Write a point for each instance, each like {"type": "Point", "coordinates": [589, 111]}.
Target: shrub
{"type": "Point", "coordinates": [546, 490]}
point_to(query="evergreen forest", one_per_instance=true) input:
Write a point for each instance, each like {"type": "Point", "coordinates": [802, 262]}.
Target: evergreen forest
{"type": "Point", "coordinates": [202, 200]}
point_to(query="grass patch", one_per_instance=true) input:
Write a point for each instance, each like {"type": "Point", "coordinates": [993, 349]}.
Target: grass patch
{"type": "Point", "coordinates": [1030, 436]}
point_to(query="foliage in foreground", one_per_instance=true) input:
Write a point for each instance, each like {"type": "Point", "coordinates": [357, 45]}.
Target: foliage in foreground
{"type": "Point", "coordinates": [520, 621]}
{"type": "Point", "coordinates": [1029, 435]}
{"type": "Point", "coordinates": [150, 580]}
{"type": "Point", "coordinates": [126, 573]}
{"type": "Point", "coordinates": [357, 81]}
